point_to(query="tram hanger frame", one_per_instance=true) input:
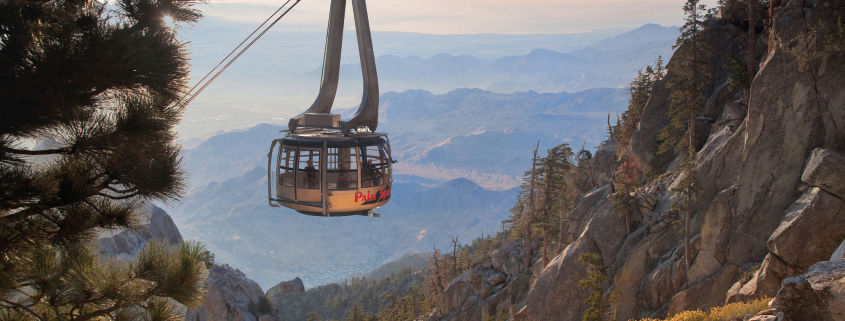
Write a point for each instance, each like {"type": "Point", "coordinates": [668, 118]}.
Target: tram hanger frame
{"type": "Point", "coordinates": [367, 113]}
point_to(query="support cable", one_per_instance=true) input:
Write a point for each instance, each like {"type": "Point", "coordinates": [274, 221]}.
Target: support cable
{"type": "Point", "coordinates": [194, 95]}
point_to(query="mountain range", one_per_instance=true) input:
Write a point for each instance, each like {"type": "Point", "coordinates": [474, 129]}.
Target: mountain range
{"type": "Point", "coordinates": [446, 145]}
{"type": "Point", "coordinates": [280, 76]}
{"type": "Point", "coordinates": [233, 220]}
{"type": "Point", "coordinates": [485, 136]}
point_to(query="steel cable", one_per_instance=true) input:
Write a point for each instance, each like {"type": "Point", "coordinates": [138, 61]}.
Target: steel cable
{"type": "Point", "coordinates": [194, 95]}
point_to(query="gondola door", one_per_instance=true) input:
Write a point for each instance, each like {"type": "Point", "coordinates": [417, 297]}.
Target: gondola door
{"type": "Point", "coordinates": [285, 173]}
{"type": "Point", "coordinates": [308, 175]}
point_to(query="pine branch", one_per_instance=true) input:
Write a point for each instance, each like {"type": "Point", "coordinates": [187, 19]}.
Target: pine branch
{"type": "Point", "coordinates": [67, 150]}
{"type": "Point", "coordinates": [25, 308]}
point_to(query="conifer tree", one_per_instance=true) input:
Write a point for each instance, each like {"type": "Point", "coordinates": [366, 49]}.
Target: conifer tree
{"type": "Point", "coordinates": [583, 181]}
{"type": "Point", "coordinates": [314, 316]}
{"type": "Point", "coordinates": [595, 277]}
{"type": "Point", "coordinates": [751, 40]}
{"type": "Point", "coordinates": [503, 315]}
{"type": "Point", "coordinates": [625, 203]}
{"type": "Point", "coordinates": [554, 171]}
{"type": "Point", "coordinates": [98, 86]}
{"type": "Point", "coordinates": [524, 211]}
{"type": "Point", "coordinates": [639, 90]}
{"type": "Point", "coordinates": [686, 101]}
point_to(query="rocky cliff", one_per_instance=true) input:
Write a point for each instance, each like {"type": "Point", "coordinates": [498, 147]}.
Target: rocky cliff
{"type": "Point", "coordinates": [233, 297]}
{"type": "Point", "coordinates": [771, 168]}
{"type": "Point", "coordinates": [126, 244]}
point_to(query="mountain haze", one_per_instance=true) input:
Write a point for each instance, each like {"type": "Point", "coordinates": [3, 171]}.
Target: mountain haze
{"type": "Point", "coordinates": [233, 220]}
{"type": "Point", "coordinates": [280, 76]}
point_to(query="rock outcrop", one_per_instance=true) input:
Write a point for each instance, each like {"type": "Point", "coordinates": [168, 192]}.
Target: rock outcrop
{"type": "Point", "coordinates": [804, 237]}
{"type": "Point", "coordinates": [817, 295]}
{"type": "Point", "coordinates": [292, 286]}
{"type": "Point", "coordinates": [826, 169]}
{"type": "Point", "coordinates": [126, 244]}
{"type": "Point", "coordinates": [770, 204]}
{"type": "Point", "coordinates": [492, 286]}
{"type": "Point", "coordinates": [233, 297]}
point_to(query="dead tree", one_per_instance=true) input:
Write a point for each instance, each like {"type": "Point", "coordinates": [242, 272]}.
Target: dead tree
{"type": "Point", "coordinates": [436, 266]}
{"type": "Point", "coordinates": [455, 255]}
{"type": "Point", "coordinates": [530, 208]}
{"type": "Point", "coordinates": [593, 184]}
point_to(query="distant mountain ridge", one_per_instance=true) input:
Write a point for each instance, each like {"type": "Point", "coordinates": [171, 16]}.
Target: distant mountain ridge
{"type": "Point", "coordinates": [470, 133]}
{"type": "Point", "coordinates": [233, 220]}
{"type": "Point", "coordinates": [611, 62]}
{"type": "Point", "coordinates": [263, 86]}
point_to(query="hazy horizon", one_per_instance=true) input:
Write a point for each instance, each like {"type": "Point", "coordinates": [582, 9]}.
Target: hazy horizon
{"type": "Point", "coordinates": [469, 16]}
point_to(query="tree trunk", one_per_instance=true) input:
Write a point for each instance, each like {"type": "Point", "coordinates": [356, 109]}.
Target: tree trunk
{"type": "Point", "coordinates": [527, 245]}
{"type": "Point", "coordinates": [531, 208]}
{"type": "Point", "coordinates": [455, 256]}
{"type": "Point", "coordinates": [548, 197]}
{"type": "Point", "coordinates": [545, 245]}
{"type": "Point", "coordinates": [690, 163]}
{"type": "Point", "coordinates": [751, 54]}
{"type": "Point", "coordinates": [563, 232]}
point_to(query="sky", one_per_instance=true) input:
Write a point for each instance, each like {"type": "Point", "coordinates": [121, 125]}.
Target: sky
{"type": "Point", "coordinates": [471, 16]}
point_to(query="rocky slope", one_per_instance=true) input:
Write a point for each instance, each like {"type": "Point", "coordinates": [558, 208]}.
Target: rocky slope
{"type": "Point", "coordinates": [126, 244]}
{"type": "Point", "coordinates": [769, 208]}
{"type": "Point", "coordinates": [225, 216]}
{"type": "Point", "coordinates": [230, 295]}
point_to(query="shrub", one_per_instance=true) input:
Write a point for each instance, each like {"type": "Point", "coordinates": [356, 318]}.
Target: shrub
{"type": "Point", "coordinates": [723, 313]}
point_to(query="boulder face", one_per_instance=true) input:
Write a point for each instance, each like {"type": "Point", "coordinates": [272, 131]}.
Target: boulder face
{"type": "Point", "coordinates": [557, 284]}
{"type": "Point", "coordinates": [826, 169]}
{"type": "Point", "coordinates": [126, 244]}
{"type": "Point", "coordinates": [292, 286]}
{"type": "Point", "coordinates": [604, 163]}
{"type": "Point", "coordinates": [803, 237]}
{"type": "Point", "coordinates": [764, 282]}
{"type": "Point", "coordinates": [818, 294]}
{"type": "Point", "coordinates": [487, 289]}
{"type": "Point", "coordinates": [232, 297]}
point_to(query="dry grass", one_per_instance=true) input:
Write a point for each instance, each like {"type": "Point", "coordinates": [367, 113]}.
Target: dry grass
{"type": "Point", "coordinates": [733, 311]}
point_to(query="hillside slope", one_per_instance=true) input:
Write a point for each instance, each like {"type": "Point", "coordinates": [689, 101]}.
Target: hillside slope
{"type": "Point", "coordinates": [469, 133]}
{"type": "Point", "coordinates": [273, 244]}
{"type": "Point", "coordinates": [768, 210]}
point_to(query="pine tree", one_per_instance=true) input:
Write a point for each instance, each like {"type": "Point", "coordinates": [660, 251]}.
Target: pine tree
{"type": "Point", "coordinates": [686, 101]}
{"type": "Point", "coordinates": [99, 85]}
{"type": "Point", "coordinates": [595, 277]}
{"type": "Point", "coordinates": [525, 209]}
{"type": "Point", "coordinates": [355, 313]}
{"type": "Point", "coordinates": [314, 316]}
{"type": "Point", "coordinates": [639, 90]}
{"type": "Point", "coordinates": [554, 171]}
{"type": "Point", "coordinates": [625, 203]}
{"type": "Point", "coordinates": [583, 181]}
{"type": "Point", "coordinates": [751, 42]}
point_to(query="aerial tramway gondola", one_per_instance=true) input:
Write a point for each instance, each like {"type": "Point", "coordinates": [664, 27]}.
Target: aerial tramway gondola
{"type": "Point", "coordinates": [325, 166]}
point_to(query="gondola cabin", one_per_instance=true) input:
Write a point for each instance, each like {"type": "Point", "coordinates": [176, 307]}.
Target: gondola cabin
{"type": "Point", "coordinates": [325, 166]}
{"type": "Point", "coordinates": [325, 173]}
